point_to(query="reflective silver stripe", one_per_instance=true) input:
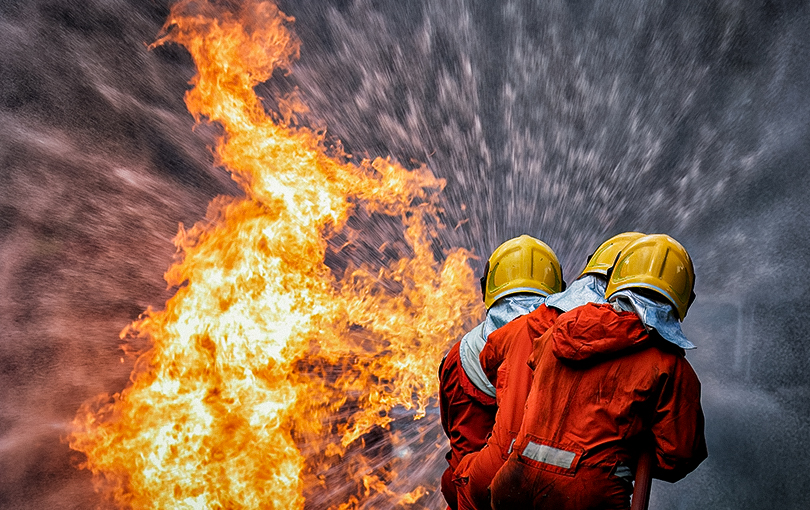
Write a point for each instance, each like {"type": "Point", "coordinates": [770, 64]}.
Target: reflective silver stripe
{"type": "Point", "coordinates": [469, 352]}
{"type": "Point", "coordinates": [623, 471]}
{"type": "Point", "coordinates": [549, 455]}
{"type": "Point", "coordinates": [511, 445]}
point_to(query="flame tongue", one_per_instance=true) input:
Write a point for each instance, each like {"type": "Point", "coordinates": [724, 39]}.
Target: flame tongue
{"type": "Point", "coordinates": [263, 352]}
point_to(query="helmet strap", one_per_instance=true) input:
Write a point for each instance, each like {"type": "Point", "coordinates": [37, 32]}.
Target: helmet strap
{"type": "Point", "coordinates": [483, 281]}
{"type": "Point", "coordinates": [609, 272]}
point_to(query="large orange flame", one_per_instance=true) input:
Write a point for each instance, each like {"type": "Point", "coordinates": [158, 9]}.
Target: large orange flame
{"type": "Point", "coordinates": [268, 364]}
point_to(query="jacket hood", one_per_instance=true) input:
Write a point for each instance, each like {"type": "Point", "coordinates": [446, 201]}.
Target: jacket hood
{"type": "Point", "coordinates": [539, 321]}
{"type": "Point", "coordinates": [592, 332]}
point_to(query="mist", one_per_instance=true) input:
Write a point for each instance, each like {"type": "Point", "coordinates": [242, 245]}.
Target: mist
{"type": "Point", "coordinates": [569, 121]}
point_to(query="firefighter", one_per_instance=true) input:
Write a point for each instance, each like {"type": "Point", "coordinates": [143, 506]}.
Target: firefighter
{"type": "Point", "coordinates": [589, 287]}
{"type": "Point", "coordinates": [504, 358]}
{"type": "Point", "coordinates": [517, 278]}
{"type": "Point", "coordinates": [609, 382]}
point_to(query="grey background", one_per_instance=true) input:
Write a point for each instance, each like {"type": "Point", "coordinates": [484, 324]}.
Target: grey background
{"type": "Point", "coordinates": [570, 121]}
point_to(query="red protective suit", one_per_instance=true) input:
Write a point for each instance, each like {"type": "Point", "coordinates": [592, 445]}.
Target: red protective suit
{"type": "Point", "coordinates": [467, 415]}
{"type": "Point", "coordinates": [504, 360]}
{"type": "Point", "coordinates": [602, 388]}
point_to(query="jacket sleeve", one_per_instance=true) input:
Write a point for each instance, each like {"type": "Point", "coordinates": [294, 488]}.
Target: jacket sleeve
{"type": "Point", "coordinates": [445, 374]}
{"type": "Point", "coordinates": [467, 414]}
{"type": "Point", "coordinates": [678, 424]}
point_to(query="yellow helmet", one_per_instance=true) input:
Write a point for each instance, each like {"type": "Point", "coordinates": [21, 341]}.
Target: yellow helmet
{"type": "Point", "coordinates": [604, 256]}
{"type": "Point", "coordinates": [658, 263]}
{"type": "Point", "coordinates": [522, 264]}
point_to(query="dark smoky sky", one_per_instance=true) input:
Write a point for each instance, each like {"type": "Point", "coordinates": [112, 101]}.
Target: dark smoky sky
{"type": "Point", "coordinates": [570, 121]}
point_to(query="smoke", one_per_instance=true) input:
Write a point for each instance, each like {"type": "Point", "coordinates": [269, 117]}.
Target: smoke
{"type": "Point", "coordinates": [570, 121]}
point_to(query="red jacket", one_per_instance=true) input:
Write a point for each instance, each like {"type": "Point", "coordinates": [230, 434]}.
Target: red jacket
{"type": "Point", "coordinates": [601, 383]}
{"type": "Point", "coordinates": [506, 356]}
{"type": "Point", "coordinates": [504, 360]}
{"type": "Point", "coordinates": [467, 415]}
